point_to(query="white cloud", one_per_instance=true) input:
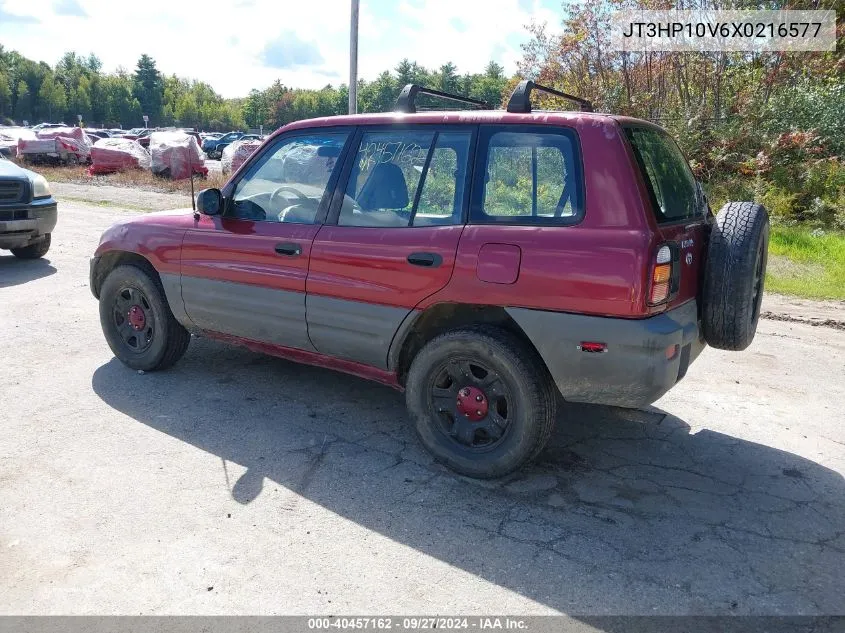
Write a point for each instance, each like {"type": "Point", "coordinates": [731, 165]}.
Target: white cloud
{"type": "Point", "coordinates": [194, 38]}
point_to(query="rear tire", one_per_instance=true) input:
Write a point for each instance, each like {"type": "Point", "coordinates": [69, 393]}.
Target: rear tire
{"type": "Point", "coordinates": [735, 275]}
{"type": "Point", "coordinates": [481, 400]}
{"type": "Point", "coordinates": [137, 321]}
{"type": "Point", "coordinates": [33, 251]}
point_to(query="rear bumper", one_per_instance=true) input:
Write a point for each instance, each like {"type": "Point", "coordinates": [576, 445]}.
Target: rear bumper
{"type": "Point", "coordinates": [634, 371]}
{"type": "Point", "coordinates": [41, 217]}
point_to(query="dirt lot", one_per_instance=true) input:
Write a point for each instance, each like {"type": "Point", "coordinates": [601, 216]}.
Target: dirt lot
{"type": "Point", "coordinates": [236, 483]}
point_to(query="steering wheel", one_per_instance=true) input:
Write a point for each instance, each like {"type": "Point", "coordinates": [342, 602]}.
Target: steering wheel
{"type": "Point", "coordinates": [302, 201]}
{"type": "Point", "coordinates": [274, 197]}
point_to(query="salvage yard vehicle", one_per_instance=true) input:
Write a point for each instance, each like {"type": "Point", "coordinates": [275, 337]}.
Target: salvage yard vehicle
{"type": "Point", "coordinates": [27, 211]}
{"type": "Point", "coordinates": [56, 146]}
{"type": "Point", "coordinates": [488, 263]}
{"type": "Point", "coordinates": [97, 133]}
{"type": "Point", "coordinates": [214, 146]}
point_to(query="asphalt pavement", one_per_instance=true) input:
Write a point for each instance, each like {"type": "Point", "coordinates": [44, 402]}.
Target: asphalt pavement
{"type": "Point", "coordinates": [241, 484]}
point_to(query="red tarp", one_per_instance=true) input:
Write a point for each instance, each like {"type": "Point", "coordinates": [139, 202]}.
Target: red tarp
{"type": "Point", "coordinates": [235, 154]}
{"type": "Point", "coordinates": [109, 155]}
{"type": "Point", "coordinates": [67, 142]}
{"type": "Point", "coordinates": [175, 154]}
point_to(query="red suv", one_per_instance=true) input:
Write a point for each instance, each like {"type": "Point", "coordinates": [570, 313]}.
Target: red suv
{"type": "Point", "coordinates": [488, 263]}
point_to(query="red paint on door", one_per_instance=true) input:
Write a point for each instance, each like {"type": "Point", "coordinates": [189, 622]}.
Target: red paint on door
{"type": "Point", "coordinates": [371, 264]}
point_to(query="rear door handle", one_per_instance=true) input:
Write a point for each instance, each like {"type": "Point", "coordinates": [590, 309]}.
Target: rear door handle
{"type": "Point", "coordinates": [289, 248]}
{"type": "Point", "coordinates": [426, 260]}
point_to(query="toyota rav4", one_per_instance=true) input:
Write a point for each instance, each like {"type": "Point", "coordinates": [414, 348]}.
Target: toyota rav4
{"type": "Point", "coordinates": [491, 264]}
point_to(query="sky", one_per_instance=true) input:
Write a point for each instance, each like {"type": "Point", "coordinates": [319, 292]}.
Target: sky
{"type": "Point", "coordinates": [237, 45]}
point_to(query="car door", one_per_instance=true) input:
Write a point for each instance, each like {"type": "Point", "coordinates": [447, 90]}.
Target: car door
{"type": "Point", "coordinates": [243, 273]}
{"type": "Point", "coordinates": [390, 239]}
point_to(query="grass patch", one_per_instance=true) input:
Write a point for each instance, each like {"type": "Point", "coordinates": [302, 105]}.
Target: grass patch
{"type": "Point", "coordinates": [108, 203]}
{"type": "Point", "coordinates": [132, 179]}
{"type": "Point", "coordinates": [806, 265]}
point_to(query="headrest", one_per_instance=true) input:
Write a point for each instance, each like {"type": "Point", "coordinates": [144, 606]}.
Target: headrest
{"type": "Point", "coordinates": [385, 189]}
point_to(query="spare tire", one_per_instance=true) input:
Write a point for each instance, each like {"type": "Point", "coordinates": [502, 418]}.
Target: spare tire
{"type": "Point", "coordinates": [734, 275]}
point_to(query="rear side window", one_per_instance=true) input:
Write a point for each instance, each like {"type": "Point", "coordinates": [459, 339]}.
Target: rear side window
{"type": "Point", "coordinates": [671, 183]}
{"type": "Point", "coordinates": [404, 178]}
{"type": "Point", "coordinates": [531, 177]}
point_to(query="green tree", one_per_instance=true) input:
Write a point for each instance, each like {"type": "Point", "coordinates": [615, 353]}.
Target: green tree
{"type": "Point", "coordinates": [98, 105]}
{"type": "Point", "coordinates": [69, 69]}
{"type": "Point", "coordinates": [408, 72]}
{"type": "Point", "coordinates": [379, 95]}
{"type": "Point", "coordinates": [187, 111]}
{"type": "Point", "coordinates": [121, 107]}
{"type": "Point", "coordinates": [148, 88]}
{"type": "Point", "coordinates": [93, 64]}
{"type": "Point", "coordinates": [494, 71]}
{"type": "Point", "coordinates": [5, 96]}
{"type": "Point", "coordinates": [52, 99]}
{"type": "Point", "coordinates": [490, 86]}
{"type": "Point", "coordinates": [446, 78]}
{"type": "Point", "coordinates": [23, 103]}
{"type": "Point", "coordinates": [255, 109]}
{"type": "Point", "coordinates": [80, 101]}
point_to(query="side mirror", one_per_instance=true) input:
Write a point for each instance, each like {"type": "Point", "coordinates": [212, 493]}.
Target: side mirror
{"type": "Point", "coordinates": [210, 202]}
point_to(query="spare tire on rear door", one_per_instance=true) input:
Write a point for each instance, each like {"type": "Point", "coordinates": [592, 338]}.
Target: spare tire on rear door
{"type": "Point", "coordinates": [734, 275]}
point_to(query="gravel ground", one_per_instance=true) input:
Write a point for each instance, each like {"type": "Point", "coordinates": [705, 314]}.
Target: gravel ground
{"type": "Point", "coordinates": [236, 483]}
{"type": "Point", "coordinates": [120, 198]}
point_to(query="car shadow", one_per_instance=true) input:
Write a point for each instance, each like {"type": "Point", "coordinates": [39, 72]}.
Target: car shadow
{"type": "Point", "coordinates": [14, 271]}
{"type": "Point", "coordinates": [625, 512]}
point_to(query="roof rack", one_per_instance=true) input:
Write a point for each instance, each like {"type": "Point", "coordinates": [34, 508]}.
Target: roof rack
{"type": "Point", "coordinates": [520, 100]}
{"type": "Point", "coordinates": [406, 101]}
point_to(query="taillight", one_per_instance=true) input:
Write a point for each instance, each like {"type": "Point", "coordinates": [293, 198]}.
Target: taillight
{"type": "Point", "coordinates": [661, 276]}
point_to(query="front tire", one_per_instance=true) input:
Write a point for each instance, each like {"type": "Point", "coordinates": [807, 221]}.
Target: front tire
{"type": "Point", "coordinates": [481, 400]}
{"type": "Point", "coordinates": [33, 251]}
{"type": "Point", "coordinates": [137, 321]}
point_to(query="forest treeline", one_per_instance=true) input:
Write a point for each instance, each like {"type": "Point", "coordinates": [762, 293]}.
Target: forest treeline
{"type": "Point", "coordinates": [76, 85]}
{"type": "Point", "coordinates": [765, 126]}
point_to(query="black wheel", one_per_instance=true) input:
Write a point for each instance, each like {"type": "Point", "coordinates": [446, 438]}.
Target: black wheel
{"type": "Point", "coordinates": [137, 321]}
{"type": "Point", "coordinates": [33, 251]}
{"type": "Point", "coordinates": [735, 275]}
{"type": "Point", "coordinates": [481, 400]}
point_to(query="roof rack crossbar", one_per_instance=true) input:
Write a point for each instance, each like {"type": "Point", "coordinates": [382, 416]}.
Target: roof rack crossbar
{"type": "Point", "coordinates": [406, 101]}
{"type": "Point", "coordinates": [520, 100]}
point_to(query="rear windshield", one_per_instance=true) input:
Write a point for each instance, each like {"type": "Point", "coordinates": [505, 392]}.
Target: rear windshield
{"type": "Point", "coordinates": [670, 181]}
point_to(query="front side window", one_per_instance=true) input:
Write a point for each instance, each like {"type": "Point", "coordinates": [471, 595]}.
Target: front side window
{"type": "Point", "coordinates": [531, 178]}
{"type": "Point", "coordinates": [288, 182]}
{"type": "Point", "coordinates": [669, 178]}
{"type": "Point", "coordinates": [407, 178]}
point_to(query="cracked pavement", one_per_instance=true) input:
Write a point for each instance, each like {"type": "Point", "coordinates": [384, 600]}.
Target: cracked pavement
{"type": "Point", "coordinates": [237, 483]}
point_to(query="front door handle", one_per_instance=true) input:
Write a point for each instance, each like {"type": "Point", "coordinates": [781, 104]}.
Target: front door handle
{"type": "Point", "coordinates": [426, 260]}
{"type": "Point", "coordinates": [289, 248]}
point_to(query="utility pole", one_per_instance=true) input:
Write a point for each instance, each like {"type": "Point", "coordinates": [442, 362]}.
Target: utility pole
{"type": "Point", "coordinates": [353, 59]}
